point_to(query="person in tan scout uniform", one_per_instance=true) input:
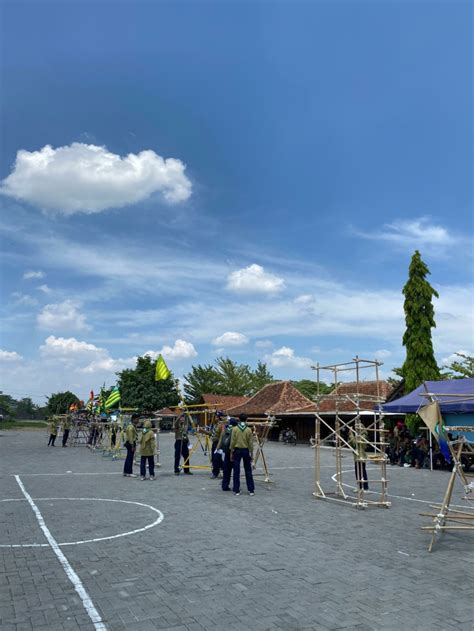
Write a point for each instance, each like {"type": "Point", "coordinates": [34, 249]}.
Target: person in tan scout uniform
{"type": "Point", "coordinates": [181, 444]}
{"type": "Point", "coordinates": [130, 445]}
{"type": "Point", "coordinates": [241, 448]}
{"type": "Point", "coordinates": [147, 451]}
{"type": "Point", "coordinates": [358, 441]}
{"type": "Point", "coordinates": [53, 432]}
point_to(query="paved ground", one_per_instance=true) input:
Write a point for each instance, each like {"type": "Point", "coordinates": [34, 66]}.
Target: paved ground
{"type": "Point", "coordinates": [279, 560]}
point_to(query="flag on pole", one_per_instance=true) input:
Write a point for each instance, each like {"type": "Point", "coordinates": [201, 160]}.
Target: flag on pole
{"type": "Point", "coordinates": [161, 370]}
{"type": "Point", "coordinates": [433, 419]}
{"type": "Point", "coordinates": [113, 398]}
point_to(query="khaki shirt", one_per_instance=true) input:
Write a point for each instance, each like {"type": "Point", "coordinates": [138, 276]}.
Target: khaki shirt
{"type": "Point", "coordinates": [131, 434]}
{"type": "Point", "coordinates": [181, 428]}
{"type": "Point", "coordinates": [359, 443]}
{"type": "Point", "coordinates": [242, 439]}
{"type": "Point", "coordinates": [147, 443]}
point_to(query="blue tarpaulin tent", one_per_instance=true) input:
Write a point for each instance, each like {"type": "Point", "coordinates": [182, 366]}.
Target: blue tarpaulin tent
{"type": "Point", "coordinates": [448, 403]}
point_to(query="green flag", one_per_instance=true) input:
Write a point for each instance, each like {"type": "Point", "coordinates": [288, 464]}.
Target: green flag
{"type": "Point", "coordinates": [161, 371]}
{"type": "Point", "coordinates": [113, 398]}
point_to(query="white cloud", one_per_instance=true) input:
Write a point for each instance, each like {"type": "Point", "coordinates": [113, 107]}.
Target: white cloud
{"type": "Point", "coordinates": [285, 357]}
{"type": "Point", "coordinates": [108, 365]}
{"type": "Point", "coordinates": [254, 279]}
{"type": "Point", "coordinates": [180, 350]}
{"type": "Point", "coordinates": [454, 357]}
{"type": "Point", "coordinates": [64, 316]}
{"type": "Point", "coordinates": [45, 289]}
{"type": "Point", "coordinates": [90, 179]}
{"type": "Point", "coordinates": [24, 300]}
{"type": "Point", "coordinates": [263, 344]}
{"type": "Point", "coordinates": [9, 356]}
{"type": "Point", "coordinates": [230, 338]}
{"type": "Point", "coordinates": [416, 233]}
{"type": "Point", "coordinates": [33, 274]}
{"type": "Point", "coordinates": [69, 347]}
{"type": "Point", "coordinates": [382, 354]}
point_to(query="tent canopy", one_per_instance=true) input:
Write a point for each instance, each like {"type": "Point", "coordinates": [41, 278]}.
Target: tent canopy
{"type": "Point", "coordinates": [451, 390]}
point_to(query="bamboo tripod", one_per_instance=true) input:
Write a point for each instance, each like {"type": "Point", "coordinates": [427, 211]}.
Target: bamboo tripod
{"type": "Point", "coordinates": [447, 518]}
{"type": "Point", "coordinates": [355, 435]}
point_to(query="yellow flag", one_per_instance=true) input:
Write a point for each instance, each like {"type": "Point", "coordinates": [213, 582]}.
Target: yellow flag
{"type": "Point", "coordinates": [161, 371]}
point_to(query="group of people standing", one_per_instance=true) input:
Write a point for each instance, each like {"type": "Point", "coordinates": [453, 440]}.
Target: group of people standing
{"type": "Point", "coordinates": [53, 431]}
{"type": "Point", "coordinates": [232, 443]}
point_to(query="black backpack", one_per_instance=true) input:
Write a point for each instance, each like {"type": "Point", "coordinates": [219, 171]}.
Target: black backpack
{"type": "Point", "coordinates": [226, 438]}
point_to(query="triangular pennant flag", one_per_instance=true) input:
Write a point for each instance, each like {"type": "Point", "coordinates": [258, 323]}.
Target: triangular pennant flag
{"type": "Point", "coordinates": [113, 398]}
{"type": "Point", "coordinates": [431, 415]}
{"type": "Point", "coordinates": [161, 371]}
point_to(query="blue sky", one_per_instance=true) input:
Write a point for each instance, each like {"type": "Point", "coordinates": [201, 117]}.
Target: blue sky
{"type": "Point", "coordinates": [247, 179]}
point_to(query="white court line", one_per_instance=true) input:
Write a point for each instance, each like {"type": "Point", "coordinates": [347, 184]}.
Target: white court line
{"type": "Point", "coordinates": [398, 497]}
{"type": "Point", "coordinates": [84, 499]}
{"type": "Point", "coordinates": [69, 473]}
{"type": "Point", "coordinates": [70, 573]}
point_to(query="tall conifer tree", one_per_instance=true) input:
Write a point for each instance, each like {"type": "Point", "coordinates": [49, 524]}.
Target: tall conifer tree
{"type": "Point", "coordinates": [420, 363]}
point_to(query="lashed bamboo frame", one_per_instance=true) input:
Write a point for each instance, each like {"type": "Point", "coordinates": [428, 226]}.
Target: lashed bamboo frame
{"type": "Point", "coordinates": [373, 437]}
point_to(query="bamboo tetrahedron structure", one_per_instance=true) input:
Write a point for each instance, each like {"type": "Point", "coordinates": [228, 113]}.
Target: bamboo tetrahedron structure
{"type": "Point", "coordinates": [363, 436]}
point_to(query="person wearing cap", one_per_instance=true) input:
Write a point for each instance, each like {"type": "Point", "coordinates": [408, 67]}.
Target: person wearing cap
{"type": "Point", "coordinates": [241, 448]}
{"type": "Point", "coordinates": [147, 451]}
{"type": "Point", "coordinates": [130, 445]}
{"type": "Point", "coordinates": [216, 458]}
{"type": "Point", "coordinates": [223, 445]}
{"type": "Point", "coordinates": [181, 444]}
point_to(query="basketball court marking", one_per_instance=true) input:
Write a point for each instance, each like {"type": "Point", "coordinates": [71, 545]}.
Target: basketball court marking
{"type": "Point", "coordinates": [157, 521]}
{"type": "Point", "coordinates": [70, 573]}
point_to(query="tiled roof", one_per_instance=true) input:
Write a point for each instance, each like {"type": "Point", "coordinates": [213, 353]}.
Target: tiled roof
{"type": "Point", "coordinates": [166, 412]}
{"type": "Point", "coordinates": [223, 401]}
{"type": "Point", "coordinates": [365, 388]}
{"type": "Point", "coordinates": [275, 398]}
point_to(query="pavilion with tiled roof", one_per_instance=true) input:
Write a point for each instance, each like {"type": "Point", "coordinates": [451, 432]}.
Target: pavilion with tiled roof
{"type": "Point", "coordinates": [223, 401]}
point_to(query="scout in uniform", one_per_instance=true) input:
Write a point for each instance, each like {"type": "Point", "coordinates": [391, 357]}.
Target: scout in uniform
{"type": "Point", "coordinates": [66, 425]}
{"type": "Point", "coordinates": [130, 445]}
{"type": "Point", "coordinates": [241, 448]}
{"type": "Point", "coordinates": [181, 444]}
{"type": "Point", "coordinates": [53, 432]}
{"type": "Point", "coordinates": [216, 458]}
{"type": "Point", "coordinates": [147, 451]}
{"type": "Point", "coordinates": [224, 445]}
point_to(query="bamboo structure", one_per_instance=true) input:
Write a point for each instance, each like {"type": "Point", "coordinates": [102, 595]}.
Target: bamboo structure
{"type": "Point", "coordinates": [357, 435]}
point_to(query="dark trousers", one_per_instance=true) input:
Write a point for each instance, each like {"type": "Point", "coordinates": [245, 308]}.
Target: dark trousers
{"type": "Point", "coordinates": [65, 437]}
{"type": "Point", "coordinates": [216, 459]}
{"type": "Point", "coordinates": [361, 474]}
{"type": "Point", "coordinates": [151, 465]}
{"type": "Point", "coordinates": [52, 438]}
{"type": "Point", "coordinates": [226, 471]}
{"type": "Point", "coordinates": [128, 466]}
{"type": "Point", "coordinates": [181, 449]}
{"type": "Point", "coordinates": [238, 455]}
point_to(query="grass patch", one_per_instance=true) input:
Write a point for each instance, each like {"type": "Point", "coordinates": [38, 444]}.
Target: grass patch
{"type": "Point", "coordinates": [22, 425]}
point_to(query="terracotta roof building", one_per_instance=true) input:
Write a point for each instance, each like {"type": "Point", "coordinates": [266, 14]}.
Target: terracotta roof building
{"type": "Point", "coordinates": [223, 401]}
{"type": "Point", "coordinates": [369, 389]}
{"type": "Point", "coordinates": [275, 398]}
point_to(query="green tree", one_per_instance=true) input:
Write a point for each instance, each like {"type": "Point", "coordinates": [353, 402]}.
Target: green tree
{"type": "Point", "coordinates": [7, 405]}
{"type": "Point", "coordinates": [201, 380]}
{"type": "Point", "coordinates": [464, 367]}
{"type": "Point", "coordinates": [310, 388]}
{"type": "Point", "coordinates": [260, 377]}
{"type": "Point", "coordinates": [25, 408]}
{"type": "Point", "coordinates": [138, 388]}
{"type": "Point", "coordinates": [420, 363]}
{"type": "Point", "coordinates": [59, 403]}
{"type": "Point", "coordinates": [235, 379]}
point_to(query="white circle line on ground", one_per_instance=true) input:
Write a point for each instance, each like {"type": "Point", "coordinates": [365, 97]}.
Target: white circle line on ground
{"type": "Point", "coordinates": [85, 499]}
{"type": "Point", "coordinates": [398, 497]}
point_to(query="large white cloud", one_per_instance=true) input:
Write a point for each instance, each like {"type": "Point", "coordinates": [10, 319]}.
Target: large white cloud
{"type": "Point", "coordinates": [180, 350]}
{"type": "Point", "coordinates": [90, 179]}
{"type": "Point", "coordinates": [62, 316]}
{"type": "Point", "coordinates": [254, 279]}
{"type": "Point", "coordinates": [230, 338]}
{"type": "Point", "coordinates": [285, 357]}
{"type": "Point", "coordinates": [9, 356]}
{"type": "Point", "coordinates": [69, 347]}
